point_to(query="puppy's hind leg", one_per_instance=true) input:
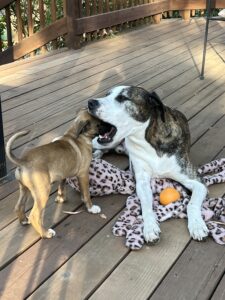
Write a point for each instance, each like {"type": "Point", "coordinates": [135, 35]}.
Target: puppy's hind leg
{"type": "Point", "coordinates": [20, 205]}
{"type": "Point", "coordinates": [85, 195]}
{"type": "Point", "coordinates": [61, 194]}
{"type": "Point", "coordinates": [40, 195]}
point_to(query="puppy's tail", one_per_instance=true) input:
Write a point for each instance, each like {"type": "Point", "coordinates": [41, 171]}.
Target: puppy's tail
{"type": "Point", "coordinates": [11, 156]}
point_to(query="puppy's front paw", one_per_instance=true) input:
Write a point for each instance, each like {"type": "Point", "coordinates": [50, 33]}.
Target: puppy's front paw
{"type": "Point", "coordinates": [56, 139]}
{"type": "Point", "coordinates": [151, 231]}
{"type": "Point", "coordinates": [25, 221]}
{"type": "Point", "coordinates": [198, 229]}
{"type": "Point", "coordinates": [95, 209]}
{"type": "Point", "coordinates": [59, 199]}
{"type": "Point", "coordinates": [50, 233]}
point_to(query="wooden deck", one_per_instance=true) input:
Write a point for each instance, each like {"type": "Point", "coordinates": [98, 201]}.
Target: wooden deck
{"type": "Point", "coordinates": [84, 260]}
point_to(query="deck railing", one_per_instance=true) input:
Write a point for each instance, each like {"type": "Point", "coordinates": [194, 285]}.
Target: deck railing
{"type": "Point", "coordinates": [35, 25]}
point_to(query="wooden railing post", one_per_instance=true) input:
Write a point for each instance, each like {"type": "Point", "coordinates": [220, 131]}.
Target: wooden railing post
{"type": "Point", "coordinates": [19, 21]}
{"type": "Point", "coordinates": [3, 170]}
{"type": "Point", "coordinates": [157, 18]}
{"type": "Point", "coordinates": [30, 21]}
{"type": "Point", "coordinates": [73, 12]}
{"type": "Point", "coordinates": [42, 20]}
{"type": "Point", "coordinates": [185, 14]}
{"type": "Point", "coordinates": [53, 18]}
{"type": "Point", "coordinates": [8, 27]}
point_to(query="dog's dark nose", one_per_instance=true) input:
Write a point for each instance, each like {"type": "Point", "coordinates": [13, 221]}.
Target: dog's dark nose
{"type": "Point", "coordinates": [93, 104]}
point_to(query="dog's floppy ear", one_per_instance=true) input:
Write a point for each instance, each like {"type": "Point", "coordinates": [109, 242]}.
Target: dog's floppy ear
{"type": "Point", "coordinates": [157, 103]}
{"type": "Point", "coordinates": [80, 127]}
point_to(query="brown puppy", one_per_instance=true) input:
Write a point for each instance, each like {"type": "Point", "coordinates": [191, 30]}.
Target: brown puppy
{"type": "Point", "coordinates": [68, 156]}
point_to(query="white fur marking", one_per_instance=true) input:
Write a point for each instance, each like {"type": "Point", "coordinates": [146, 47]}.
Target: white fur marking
{"type": "Point", "coordinates": [59, 199]}
{"type": "Point", "coordinates": [95, 209]}
{"type": "Point", "coordinates": [151, 227]}
{"type": "Point", "coordinates": [56, 139]}
{"type": "Point", "coordinates": [51, 233]}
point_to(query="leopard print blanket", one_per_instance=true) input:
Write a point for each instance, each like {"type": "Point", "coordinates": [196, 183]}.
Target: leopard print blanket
{"type": "Point", "coordinates": [106, 179]}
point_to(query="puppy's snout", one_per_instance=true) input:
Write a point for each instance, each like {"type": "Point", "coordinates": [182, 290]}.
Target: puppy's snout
{"type": "Point", "coordinates": [93, 105]}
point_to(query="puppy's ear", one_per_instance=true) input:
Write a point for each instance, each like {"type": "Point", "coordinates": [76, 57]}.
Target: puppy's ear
{"type": "Point", "coordinates": [81, 127]}
{"type": "Point", "coordinates": [157, 103]}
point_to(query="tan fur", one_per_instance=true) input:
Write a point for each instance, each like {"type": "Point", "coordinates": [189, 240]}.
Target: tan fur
{"type": "Point", "coordinates": [39, 167]}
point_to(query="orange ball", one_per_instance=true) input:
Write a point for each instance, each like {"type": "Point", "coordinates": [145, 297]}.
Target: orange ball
{"type": "Point", "coordinates": [168, 196]}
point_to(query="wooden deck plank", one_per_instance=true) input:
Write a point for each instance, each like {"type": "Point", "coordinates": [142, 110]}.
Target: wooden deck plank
{"type": "Point", "coordinates": [220, 290]}
{"type": "Point", "coordinates": [71, 78]}
{"type": "Point", "coordinates": [36, 83]}
{"type": "Point", "coordinates": [141, 271]}
{"type": "Point", "coordinates": [212, 142]}
{"type": "Point", "coordinates": [133, 273]}
{"type": "Point", "coordinates": [196, 273]}
{"type": "Point", "coordinates": [12, 67]}
{"type": "Point", "coordinates": [169, 63]}
{"type": "Point", "coordinates": [203, 96]}
{"type": "Point", "coordinates": [207, 117]}
{"type": "Point", "coordinates": [25, 115]}
{"type": "Point", "coordinates": [156, 79]}
{"type": "Point", "coordinates": [47, 64]}
{"type": "Point", "coordinates": [67, 115]}
{"type": "Point", "coordinates": [85, 269]}
{"type": "Point", "coordinates": [218, 72]}
{"type": "Point", "coordinates": [33, 267]}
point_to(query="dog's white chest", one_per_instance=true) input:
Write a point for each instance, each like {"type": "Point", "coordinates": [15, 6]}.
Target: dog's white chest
{"type": "Point", "coordinates": [145, 159]}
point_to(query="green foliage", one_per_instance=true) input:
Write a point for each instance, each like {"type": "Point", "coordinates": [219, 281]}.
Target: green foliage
{"type": "Point", "coordinates": [2, 24]}
{"type": "Point", "coordinates": [59, 10]}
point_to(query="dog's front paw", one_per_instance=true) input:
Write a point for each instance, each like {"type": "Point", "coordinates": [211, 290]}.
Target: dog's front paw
{"type": "Point", "coordinates": [97, 154]}
{"type": "Point", "coordinates": [95, 209]}
{"type": "Point", "coordinates": [151, 231]}
{"type": "Point", "coordinates": [198, 229]}
{"type": "Point", "coordinates": [50, 233]}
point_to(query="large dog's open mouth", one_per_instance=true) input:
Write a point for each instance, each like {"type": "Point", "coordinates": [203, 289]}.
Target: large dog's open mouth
{"type": "Point", "coordinates": [106, 133]}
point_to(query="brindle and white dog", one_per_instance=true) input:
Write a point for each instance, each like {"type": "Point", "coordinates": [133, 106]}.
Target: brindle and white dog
{"type": "Point", "coordinates": [157, 139]}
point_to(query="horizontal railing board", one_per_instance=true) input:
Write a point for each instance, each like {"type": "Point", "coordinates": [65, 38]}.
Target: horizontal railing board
{"type": "Point", "coordinates": [5, 3]}
{"type": "Point", "coordinates": [91, 23]}
{"type": "Point", "coordinates": [35, 41]}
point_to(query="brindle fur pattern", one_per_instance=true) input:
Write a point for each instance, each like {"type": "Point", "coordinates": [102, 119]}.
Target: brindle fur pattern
{"type": "Point", "coordinates": [168, 131]}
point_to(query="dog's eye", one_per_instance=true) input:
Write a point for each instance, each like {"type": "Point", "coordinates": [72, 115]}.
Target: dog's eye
{"type": "Point", "coordinates": [121, 98]}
